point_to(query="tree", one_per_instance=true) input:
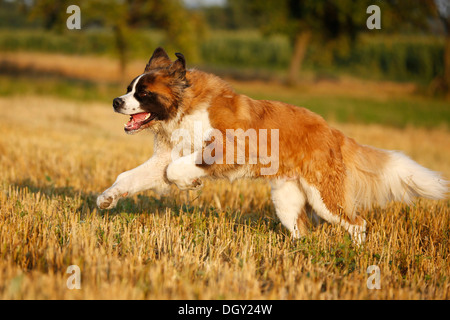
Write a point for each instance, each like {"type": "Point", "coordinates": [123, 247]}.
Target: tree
{"type": "Point", "coordinates": [444, 14]}
{"type": "Point", "coordinates": [51, 12]}
{"type": "Point", "coordinates": [302, 20]}
{"type": "Point", "coordinates": [122, 16]}
{"type": "Point", "coordinates": [441, 9]}
{"type": "Point", "coordinates": [332, 22]}
{"type": "Point", "coordinates": [416, 18]}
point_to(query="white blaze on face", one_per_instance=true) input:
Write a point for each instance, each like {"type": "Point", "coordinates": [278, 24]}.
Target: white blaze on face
{"type": "Point", "coordinates": [130, 104]}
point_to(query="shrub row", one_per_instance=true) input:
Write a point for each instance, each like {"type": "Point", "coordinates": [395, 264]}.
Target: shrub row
{"type": "Point", "coordinates": [392, 57]}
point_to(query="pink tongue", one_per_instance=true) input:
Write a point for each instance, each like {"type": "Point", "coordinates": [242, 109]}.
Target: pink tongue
{"type": "Point", "coordinates": [136, 120]}
{"type": "Point", "coordinates": [139, 117]}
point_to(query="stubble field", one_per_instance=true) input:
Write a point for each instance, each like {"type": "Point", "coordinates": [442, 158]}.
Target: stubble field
{"type": "Point", "coordinates": [61, 145]}
{"type": "Point", "coordinates": [225, 242]}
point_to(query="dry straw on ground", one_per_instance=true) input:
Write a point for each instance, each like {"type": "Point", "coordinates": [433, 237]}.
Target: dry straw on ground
{"type": "Point", "coordinates": [225, 242]}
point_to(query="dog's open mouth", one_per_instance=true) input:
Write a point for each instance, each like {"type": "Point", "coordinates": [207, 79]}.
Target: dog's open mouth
{"type": "Point", "coordinates": [138, 120]}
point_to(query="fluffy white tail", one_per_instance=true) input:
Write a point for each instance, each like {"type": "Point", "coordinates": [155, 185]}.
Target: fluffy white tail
{"type": "Point", "coordinates": [406, 179]}
{"type": "Point", "coordinates": [376, 176]}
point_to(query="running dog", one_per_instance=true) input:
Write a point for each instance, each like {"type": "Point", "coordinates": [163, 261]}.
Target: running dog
{"type": "Point", "coordinates": [307, 162]}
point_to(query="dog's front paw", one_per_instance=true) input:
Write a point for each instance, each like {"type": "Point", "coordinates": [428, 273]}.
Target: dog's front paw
{"type": "Point", "coordinates": [108, 200]}
{"type": "Point", "coordinates": [195, 184]}
{"type": "Point", "coordinates": [182, 180]}
{"type": "Point", "coordinates": [185, 184]}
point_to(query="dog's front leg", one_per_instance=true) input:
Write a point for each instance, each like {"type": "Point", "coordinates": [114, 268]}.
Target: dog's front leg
{"type": "Point", "coordinates": [185, 172]}
{"type": "Point", "coordinates": [149, 175]}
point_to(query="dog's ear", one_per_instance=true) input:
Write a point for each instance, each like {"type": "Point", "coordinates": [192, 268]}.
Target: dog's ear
{"type": "Point", "coordinates": [158, 59]}
{"type": "Point", "coordinates": [178, 68]}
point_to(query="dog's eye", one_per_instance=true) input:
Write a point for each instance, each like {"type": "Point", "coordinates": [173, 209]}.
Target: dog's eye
{"type": "Point", "coordinates": [144, 93]}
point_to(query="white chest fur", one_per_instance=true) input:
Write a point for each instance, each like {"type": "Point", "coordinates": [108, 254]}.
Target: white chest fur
{"type": "Point", "coordinates": [191, 132]}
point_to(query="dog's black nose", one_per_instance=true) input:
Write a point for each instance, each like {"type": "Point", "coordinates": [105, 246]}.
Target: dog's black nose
{"type": "Point", "coordinates": [117, 103]}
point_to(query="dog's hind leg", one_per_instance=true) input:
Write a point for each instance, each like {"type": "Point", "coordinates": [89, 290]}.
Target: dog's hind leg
{"type": "Point", "coordinates": [356, 226]}
{"type": "Point", "coordinates": [289, 201]}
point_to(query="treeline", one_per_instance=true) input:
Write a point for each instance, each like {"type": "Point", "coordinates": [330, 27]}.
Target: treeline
{"type": "Point", "coordinates": [400, 58]}
{"type": "Point", "coordinates": [289, 37]}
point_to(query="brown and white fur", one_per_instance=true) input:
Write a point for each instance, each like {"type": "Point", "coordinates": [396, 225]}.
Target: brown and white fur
{"type": "Point", "coordinates": [318, 166]}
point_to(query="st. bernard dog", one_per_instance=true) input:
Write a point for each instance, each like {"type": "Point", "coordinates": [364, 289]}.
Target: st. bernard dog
{"type": "Point", "coordinates": [204, 129]}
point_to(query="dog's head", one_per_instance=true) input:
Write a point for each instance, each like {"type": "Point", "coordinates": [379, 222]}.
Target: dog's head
{"type": "Point", "coordinates": [154, 95]}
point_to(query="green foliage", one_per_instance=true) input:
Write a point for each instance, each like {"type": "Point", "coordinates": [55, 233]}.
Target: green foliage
{"type": "Point", "coordinates": [335, 25]}
{"type": "Point", "coordinates": [123, 17]}
{"type": "Point", "coordinates": [401, 58]}
{"type": "Point", "coordinates": [327, 19]}
{"type": "Point", "coordinates": [12, 16]}
{"type": "Point", "coordinates": [246, 49]}
{"type": "Point", "coordinates": [91, 42]}
{"type": "Point", "coordinates": [76, 43]}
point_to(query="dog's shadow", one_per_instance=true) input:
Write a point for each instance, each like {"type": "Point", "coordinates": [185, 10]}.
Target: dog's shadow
{"type": "Point", "coordinates": [140, 204]}
{"type": "Point", "coordinates": [148, 204]}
